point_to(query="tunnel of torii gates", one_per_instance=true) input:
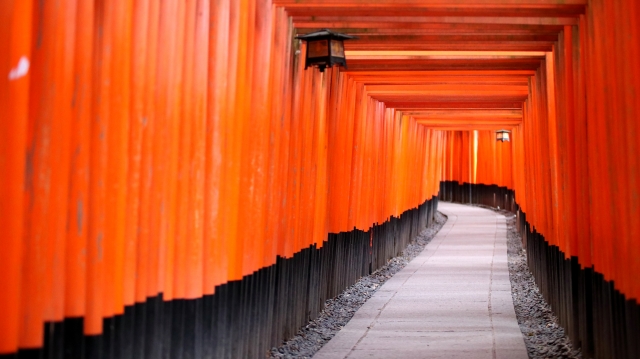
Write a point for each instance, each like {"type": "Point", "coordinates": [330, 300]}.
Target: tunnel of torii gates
{"type": "Point", "coordinates": [174, 183]}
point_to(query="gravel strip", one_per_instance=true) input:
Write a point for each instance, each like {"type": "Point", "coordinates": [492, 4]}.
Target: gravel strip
{"type": "Point", "coordinates": [543, 335]}
{"type": "Point", "coordinates": [339, 310]}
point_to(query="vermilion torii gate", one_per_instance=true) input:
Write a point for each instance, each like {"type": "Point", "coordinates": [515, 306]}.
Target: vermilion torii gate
{"type": "Point", "coordinates": [170, 167]}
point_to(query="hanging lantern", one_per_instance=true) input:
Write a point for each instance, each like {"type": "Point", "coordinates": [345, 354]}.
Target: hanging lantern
{"type": "Point", "coordinates": [502, 135]}
{"type": "Point", "coordinates": [325, 48]}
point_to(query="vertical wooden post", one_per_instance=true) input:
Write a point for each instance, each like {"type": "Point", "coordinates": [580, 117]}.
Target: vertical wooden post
{"type": "Point", "coordinates": [15, 66]}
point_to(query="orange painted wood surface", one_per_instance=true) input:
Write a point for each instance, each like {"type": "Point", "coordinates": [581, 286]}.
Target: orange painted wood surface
{"type": "Point", "coordinates": [572, 160]}
{"type": "Point", "coordinates": [167, 194]}
{"type": "Point", "coordinates": [170, 147]}
{"type": "Point", "coordinates": [15, 35]}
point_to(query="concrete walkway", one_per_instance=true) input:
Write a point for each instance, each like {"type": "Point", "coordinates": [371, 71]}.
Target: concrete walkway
{"type": "Point", "coordinates": [452, 301]}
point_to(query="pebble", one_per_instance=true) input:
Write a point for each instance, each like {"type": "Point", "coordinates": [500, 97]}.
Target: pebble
{"type": "Point", "coordinates": [339, 310]}
{"type": "Point", "coordinates": [543, 336]}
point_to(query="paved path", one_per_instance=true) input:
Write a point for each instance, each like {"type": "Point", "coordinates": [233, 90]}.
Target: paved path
{"type": "Point", "coordinates": [452, 301]}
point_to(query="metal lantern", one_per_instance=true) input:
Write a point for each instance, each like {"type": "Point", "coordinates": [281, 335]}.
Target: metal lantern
{"type": "Point", "coordinates": [325, 48]}
{"type": "Point", "coordinates": [502, 135]}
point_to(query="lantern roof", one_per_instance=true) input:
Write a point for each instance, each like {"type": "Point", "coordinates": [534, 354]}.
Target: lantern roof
{"type": "Point", "coordinates": [324, 34]}
{"type": "Point", "coordinates": [503, 131]}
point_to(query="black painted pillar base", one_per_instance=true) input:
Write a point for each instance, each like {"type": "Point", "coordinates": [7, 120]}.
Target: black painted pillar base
{"type": "Point", "coordinates": [245, 318]}
{"type": "Point", "coordinates": [596, 317]}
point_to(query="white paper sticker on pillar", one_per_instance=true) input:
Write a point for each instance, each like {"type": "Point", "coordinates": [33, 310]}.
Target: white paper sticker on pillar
{"type": "Point", "coordinates": [21, 70]}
